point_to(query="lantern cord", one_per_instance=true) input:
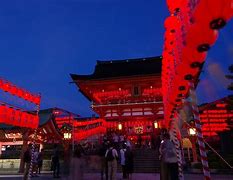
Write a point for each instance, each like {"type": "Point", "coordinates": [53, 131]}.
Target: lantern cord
{"type": "Point", "coordinates": [178, 147]}
{"type": "Point", "coordinates": [33, 146]}
{"type": "Point", "coordinates": [200, 139]}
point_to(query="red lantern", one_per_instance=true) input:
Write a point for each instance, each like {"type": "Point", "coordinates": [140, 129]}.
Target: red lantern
{"type": "Point", "coordinates": [6, 86]}
{"type": "Point", "coordinates": [3, 113]}
{"type": "Point", "coordinates": [18, 117]}
{"type": "Point", "coordinates": [11, 113]}
{"type": "Point", "coordinates": [214, 13]}
{"type": "Point", "coordinates": [172, 24]}
{"type": "Point", "coordinates": [24, 120]}
{"type": "Point", "coordinates": [192, 57]}
{"type": "Point", "coordinates": [200, 38]}
{"type": "Point", "coordinates": [14, 90]}
{"type": "Point", "coordinates": [176, 5]}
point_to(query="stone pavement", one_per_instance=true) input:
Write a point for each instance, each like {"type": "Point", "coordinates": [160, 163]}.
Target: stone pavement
{"type": "Point", "coordinates": [138, 176]}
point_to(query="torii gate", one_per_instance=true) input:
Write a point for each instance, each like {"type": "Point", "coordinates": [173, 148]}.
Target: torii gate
{"type": "Point", "coordinates": [191, 29]}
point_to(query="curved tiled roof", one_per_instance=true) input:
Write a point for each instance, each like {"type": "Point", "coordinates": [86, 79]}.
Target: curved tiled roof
{"type": "Point", "coordinates": [120, 68]}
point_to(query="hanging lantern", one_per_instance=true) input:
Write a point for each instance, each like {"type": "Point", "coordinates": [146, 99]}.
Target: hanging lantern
{"type": "Point", "coordinates": [218, 14]}
{"type": "Point", "coordinates": [192, 57]}
{"type": "Point", "coordinates": [201, 38]}
{"type": "Point", "coordinates": [6, 86]}
{"type": "Point", "coordinates": [172, 24]}
{"type": "Point", "coordinates": [17, 117]}
{"type": "Point", "coordinates": [23, 119]}
{"type": "Point", "coordinates": [176, 6]}
{"type": "Point", "coordinates": [11, 116]}
{"type": "Point", "coordinates": [3, 113]}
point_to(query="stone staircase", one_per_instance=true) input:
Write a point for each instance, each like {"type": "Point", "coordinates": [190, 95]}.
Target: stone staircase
{"type": "Point", "coordinates": [146, 161]}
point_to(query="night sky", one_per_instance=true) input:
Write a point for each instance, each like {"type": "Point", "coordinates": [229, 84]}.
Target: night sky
{"type": "Point", "coordinates": [42, 41]}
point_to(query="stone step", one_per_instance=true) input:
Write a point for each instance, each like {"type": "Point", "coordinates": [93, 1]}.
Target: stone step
{"type": "Point", "coordinates": [146, 161]}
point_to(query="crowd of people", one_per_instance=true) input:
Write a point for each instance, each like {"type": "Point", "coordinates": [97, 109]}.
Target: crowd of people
{"type": "Point", "coordinates": [115, 150]}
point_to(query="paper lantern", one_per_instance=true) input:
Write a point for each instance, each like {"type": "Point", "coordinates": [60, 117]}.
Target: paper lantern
{"type": "Point", "coordinates": [175, 6]}
{"type": "Point", "coordinates": [200, 38]}
{"type": "Point", "coordinates": [6, 86]}
{"type": "Point", "coordinates": [172, 24]}
{"type": "Point", "coordinates": [3, 113]}
{"type": "Point", "coordinates": [214, 13]}
{"type": "Point", "coordinates": [18, 117]}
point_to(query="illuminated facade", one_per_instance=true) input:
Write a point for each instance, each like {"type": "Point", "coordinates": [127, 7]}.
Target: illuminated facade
{"type": "Point", "coordinates": [125, 93]}
{"type": "Point", "coordinates": [216, 117]}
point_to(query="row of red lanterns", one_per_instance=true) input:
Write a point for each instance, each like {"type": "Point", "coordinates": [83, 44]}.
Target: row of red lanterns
{"type": "Point", "coordinates": [17, 117]}
{"type": "Point", "coordinates": [108, 94]}
{"type": "Point", "coordinates": [89, 132]}
{"type": "Point", "coordinates": [91, 121]}
{"type": "Point", "coordinates": [129, 124]}
{"type": "Point", "coordinates": [19, 92]}
{"type": "Point", "coordinates": [190, 32]}
{"type": "Point", "coordinates": [152, 91]}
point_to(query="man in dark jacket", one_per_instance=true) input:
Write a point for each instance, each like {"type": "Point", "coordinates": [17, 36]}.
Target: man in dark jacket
{"type": "Point", "coordinates": [27, 160]}
{"type": "Point", "coordinates": [56, 162]}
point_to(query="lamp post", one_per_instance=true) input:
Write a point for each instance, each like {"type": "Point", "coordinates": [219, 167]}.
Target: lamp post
{"type": "Point", "coordinates": [193, 138]}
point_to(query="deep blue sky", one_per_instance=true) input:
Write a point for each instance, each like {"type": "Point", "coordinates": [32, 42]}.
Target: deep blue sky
{"type": "Point", "coordinates": [42, 41]}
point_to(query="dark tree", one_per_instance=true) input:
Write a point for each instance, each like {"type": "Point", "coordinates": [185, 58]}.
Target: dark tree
{"type": "Point", "coordinates": [230, 97]}
{"type": "Point", "coordinates": [230, 76]}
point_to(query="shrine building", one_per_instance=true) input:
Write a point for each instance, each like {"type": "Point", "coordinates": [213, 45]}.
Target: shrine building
{"type": "Point", "coordinates": [126, 94]}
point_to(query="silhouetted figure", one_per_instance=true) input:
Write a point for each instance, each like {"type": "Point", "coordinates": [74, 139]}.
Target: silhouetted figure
{"type": "Point", "coordinates": [56, 162]}
{"type": "Point", "coordinates": [40, 160]}
{"type": "Point", "coordinates": [139, 141]}
{"type": "Point", "coordinates": [77, 163]}
{"type": "Point", "coordinates": [122, 161]}
{"type": "Point", "coordinates": [27, 160]}
{"type": "Point", "coordinates": [111, 157]}
{"type": "Point", "coordinates": [169, 166]}
{"type": "Point", "coordinates": [104, 164]}
{"type": "Point", "coordinates": [129, 162]}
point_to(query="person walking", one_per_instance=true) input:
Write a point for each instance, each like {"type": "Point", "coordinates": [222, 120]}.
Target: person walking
{"type": "Point", "coordinates": [77, 163]}
{"type": "Point", "coordinates": [56, 162]}
{"type": "Point", "coordinates": [129, 162]}
{"type": "Point", "coordinates": [27, 161]}
{"type": "Point", "coordinates": [122, 161]}
{"type": "Point", "coordinates": [40, 160]}
{"type": "Point", "coordinates": [104, 166]}
{"type": "Point", "coordinates": [111, 157]}
{"type": "Point", "coordinates": [169, 166]}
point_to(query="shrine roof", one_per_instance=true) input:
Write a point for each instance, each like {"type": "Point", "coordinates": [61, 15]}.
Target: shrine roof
{"type": "Point", "coordinates": [121, 68]}
{"type": "Point", "coordinates": [228, 100]}
{"type": "Point", "coordinates": [45, 116]}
